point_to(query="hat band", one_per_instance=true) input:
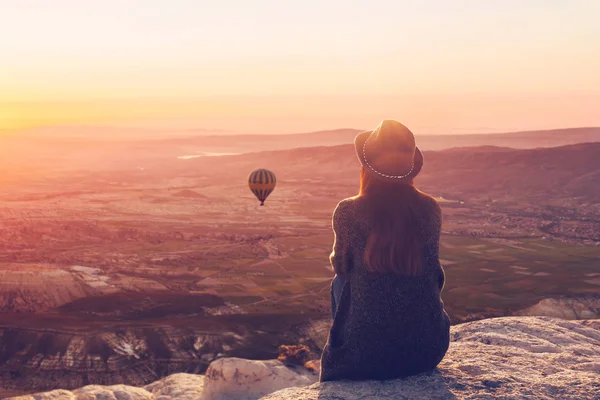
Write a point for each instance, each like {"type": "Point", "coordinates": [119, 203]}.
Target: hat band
{"type": "Point", "coordinates": [381, 173]}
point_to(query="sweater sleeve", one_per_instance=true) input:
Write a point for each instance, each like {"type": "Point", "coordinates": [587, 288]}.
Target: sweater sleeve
{"type": "Point", "coordinates": [433, 244]}
{"type": "Point", "coordinates": [341, 256]}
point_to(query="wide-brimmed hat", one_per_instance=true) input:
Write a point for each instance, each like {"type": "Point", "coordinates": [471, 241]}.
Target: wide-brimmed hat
{"type": "Point", "coordinates": [389, 151]}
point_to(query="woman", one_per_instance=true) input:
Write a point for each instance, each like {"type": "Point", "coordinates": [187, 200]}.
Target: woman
{"type": "Point", "coordinates": [389, 319]}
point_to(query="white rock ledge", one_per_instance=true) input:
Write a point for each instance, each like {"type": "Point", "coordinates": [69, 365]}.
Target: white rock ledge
{"type": "Point", "coordinates": [499, 358]}
{"type": "Point", "coordinates": [239, 379]}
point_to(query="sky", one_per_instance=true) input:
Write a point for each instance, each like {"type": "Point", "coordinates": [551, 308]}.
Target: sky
{"type": "Point", "coordinates": [439, 66]}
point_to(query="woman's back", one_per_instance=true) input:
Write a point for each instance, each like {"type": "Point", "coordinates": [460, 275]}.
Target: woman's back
{"type": "Point", "coordinates": [387, 324]}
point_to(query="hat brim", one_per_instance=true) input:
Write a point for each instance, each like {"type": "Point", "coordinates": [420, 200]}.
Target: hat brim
{"type": "Point", "coordinates": [359, 142]}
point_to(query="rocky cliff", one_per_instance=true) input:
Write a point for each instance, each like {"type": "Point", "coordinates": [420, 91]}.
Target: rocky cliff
{"type": "Point", "coordinates": [565, 307]}
{"type": "Point", "coordinates": [509, 358]}
{"type": "Point", "coordinates": [42, 355]}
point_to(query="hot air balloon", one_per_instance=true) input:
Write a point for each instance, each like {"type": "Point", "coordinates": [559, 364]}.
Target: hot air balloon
{"type": "Point", "coordinates": [261, 183]}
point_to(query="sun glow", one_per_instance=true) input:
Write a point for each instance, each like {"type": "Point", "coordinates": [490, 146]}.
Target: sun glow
{"type": "Point", "coordinates": [300, 65]}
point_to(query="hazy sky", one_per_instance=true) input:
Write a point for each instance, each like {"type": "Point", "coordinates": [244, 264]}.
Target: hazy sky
{"type": "Point", "coordinates": [275, 65]}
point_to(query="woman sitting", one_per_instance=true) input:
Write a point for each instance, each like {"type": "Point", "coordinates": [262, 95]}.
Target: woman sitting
{"type": "Point", "coordinates": [389, 320]}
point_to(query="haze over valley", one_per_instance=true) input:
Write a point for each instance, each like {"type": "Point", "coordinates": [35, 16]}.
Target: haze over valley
{"type": "Point", "coordinates": [127, 260]}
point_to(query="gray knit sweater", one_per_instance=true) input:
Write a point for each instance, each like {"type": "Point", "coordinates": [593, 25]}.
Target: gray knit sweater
{"type": "Point", "coordinates": [387, 325]}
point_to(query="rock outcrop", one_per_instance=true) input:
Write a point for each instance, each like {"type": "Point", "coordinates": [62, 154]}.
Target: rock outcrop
{"type": "Point", "coordinates": [239, 379]}
{"type": "Point", "coordinates": [225, 379]}
{"type": "Point", "coordinates": [42, 356]}
{"type": "Point", "coordinates": [508, 358]}
{"type": "Point", "coordinates": [566, 307]}
{"type": "Point", "coordinates": [43, 359]}
{"type": "Point", "coordinates": [176, 386]}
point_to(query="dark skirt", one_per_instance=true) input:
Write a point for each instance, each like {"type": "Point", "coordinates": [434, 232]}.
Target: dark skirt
{"type": "Point", "coordinates": [384, 328]}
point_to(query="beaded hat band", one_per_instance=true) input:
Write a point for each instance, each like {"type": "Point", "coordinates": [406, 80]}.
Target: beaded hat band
{"type": "Point", "coordinates": [412, 167]}
{"type": "Point", "coordinates": [388, 133]}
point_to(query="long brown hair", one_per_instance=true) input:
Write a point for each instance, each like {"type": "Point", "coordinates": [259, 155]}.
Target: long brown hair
{"type": "Point", "coordinates": [394, 244]}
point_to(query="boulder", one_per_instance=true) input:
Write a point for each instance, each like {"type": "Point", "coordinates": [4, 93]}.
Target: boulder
{"type": "Point", "coordinates": [93, 392]}
{"type": "Point", "coordinates": [508, 358]}
{"type": "Point", "coordinates": [240, 379]}
{"type": "Point", "coordinates": [178, 386]}
{"type": "Point", "coordinates": [58, 394]}
{"type": "Point", "coordinates": [566, 307]}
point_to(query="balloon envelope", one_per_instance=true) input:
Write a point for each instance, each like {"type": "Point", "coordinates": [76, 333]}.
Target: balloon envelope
{"type": "Point", "coordinates": [261, 183]}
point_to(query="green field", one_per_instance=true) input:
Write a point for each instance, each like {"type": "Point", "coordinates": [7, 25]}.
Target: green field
{"type": "Point", "coordinates": [484, 277]}
{"type": "Point", "coordinates": [498, 277]}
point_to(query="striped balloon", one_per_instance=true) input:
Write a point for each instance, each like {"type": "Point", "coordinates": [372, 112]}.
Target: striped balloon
{"type": "Point", "coordinates": [262, 182]}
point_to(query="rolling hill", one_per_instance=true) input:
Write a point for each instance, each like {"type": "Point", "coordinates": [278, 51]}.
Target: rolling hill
{"type": "Point", "coordinates": [542, 174]}
{"type": "Point", "coordinates": [519, 140]}
{"type": "Point", "coordinates": [94, 138]}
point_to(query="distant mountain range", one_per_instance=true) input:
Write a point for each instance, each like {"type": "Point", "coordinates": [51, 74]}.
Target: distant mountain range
{"type": "Point", "coordinates": [549, 174]}
{"type": "Point", "coordinates": [518, 140]}
{"type": "Point", "coordinates": [523, 164]}
{"type": "Point", "coordinates": [217, 141]}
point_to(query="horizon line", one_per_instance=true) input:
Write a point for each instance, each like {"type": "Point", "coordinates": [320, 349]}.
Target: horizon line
{"type": "Point", "coordinates": [208, 132]}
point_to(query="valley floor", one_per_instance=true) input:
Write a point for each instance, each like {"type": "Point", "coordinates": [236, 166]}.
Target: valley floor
{"type": "Point", "coordinates": [156, 268]}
